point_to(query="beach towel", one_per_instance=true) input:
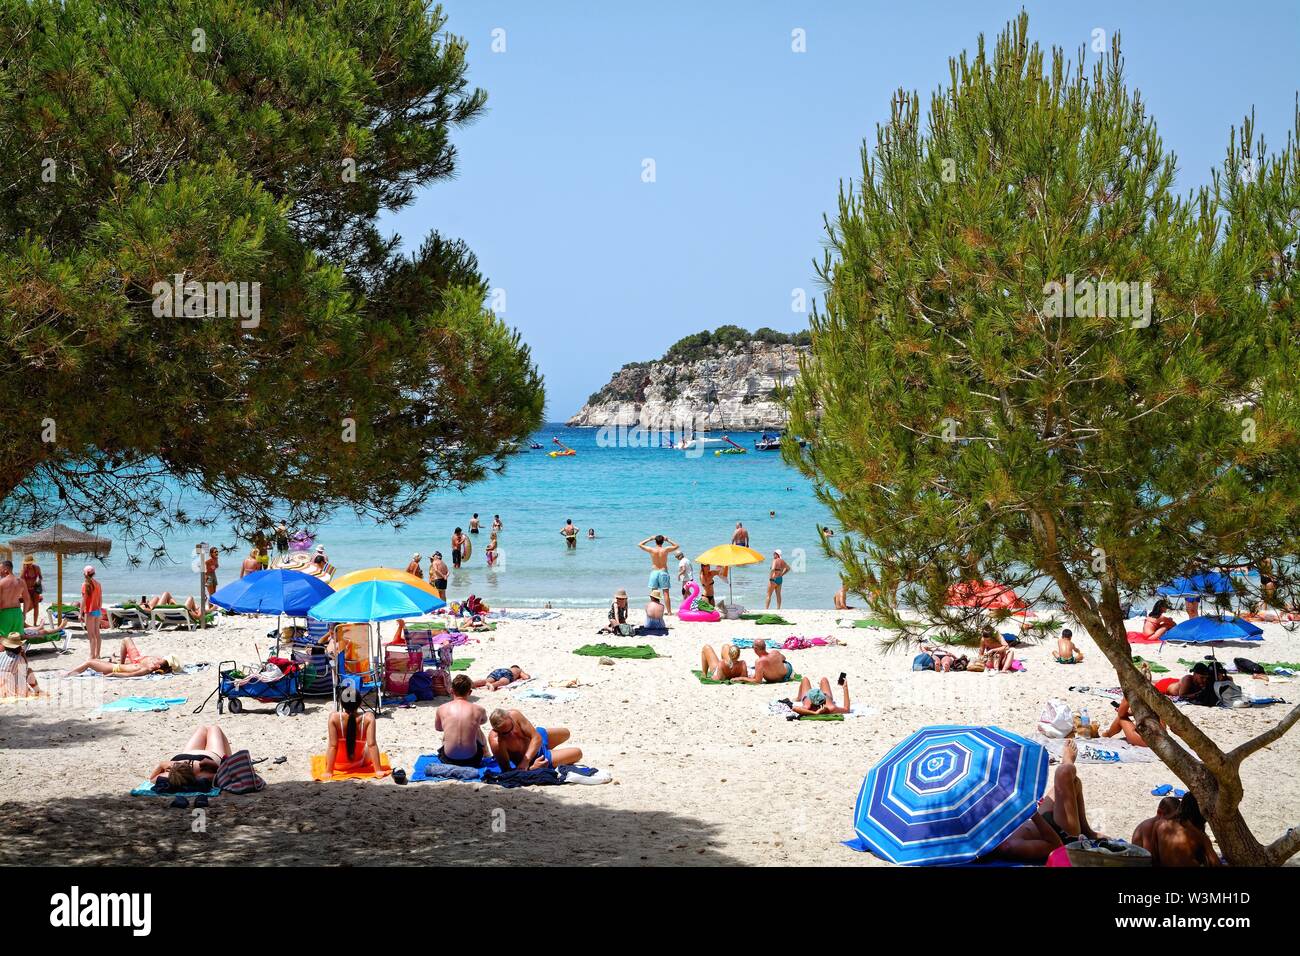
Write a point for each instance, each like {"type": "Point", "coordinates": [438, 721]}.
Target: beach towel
{"type": "Point", "coordinates": [1110, 693]}
{"type": "Point", "coordinates": [765, 619]}
{"type": "Point", "coordinates": [641, 652]}
{"type": "Point", "coordinates": [525, 615]}
{"type": "Point", "coordinates": [869, 622]}
{"type": "Point", "coordinates": [1137, 637]}
{"type": "Point", "coordinates": [187, 669]}
{"type": "Point", "coordinates": [779, 708]}
{"type": "Point", "coordinates": [140, 704]}
{"type": "Point", "coordinates": [461, 664]}
{"type": "Point", "coordinates": [708, 680]}
{"type": "Point", "coordinates": [1154, 667]}
{"type": "Point", "coordinates": [145, 789]}
{"type": "Point", "coordinates": [796, 643]}
{"type": "Point", "coordinates": [1100, 751]}
{"type": "Point", "coordinates": [428, 768]}
{"type": "Point", "coordinates": [557, 696]}
{"type": "Point", "coordinates": [362, 773]}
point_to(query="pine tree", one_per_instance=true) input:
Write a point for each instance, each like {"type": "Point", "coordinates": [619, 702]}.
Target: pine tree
{"type": "Point", "coordinates": [1038, 365]}
{"type": "Point", "coordinates": [249, 142]}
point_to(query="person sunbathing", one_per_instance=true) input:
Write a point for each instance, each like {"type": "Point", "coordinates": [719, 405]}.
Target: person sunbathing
{"type": "Point", "coordinates": [819, 700]}
{"type": "Point", "coordinates": [459, 721]}
{"type": "Point", "coordinates": [943, 660]}
{"type": "Point", "coordinates": [770, 668]}
{"type": "Point", "coordinates": [1125, 724]}
{"type": "Point", "coordinates": [357, 732]}
{"type": "Point", "coordinates": [518, 745]}
{"type": "Point", "coordinates": [1066, 651]}
{"type": "Point", "coordinates": [503, 677]}
{"type": "Point", "coordinates": [165, 600]}
{"type": "Point", "coordinates": [994, 651]}
{"type": "Point", "coordinates": [1181, 840]}
{"type": "Point", "coordinates": [196, 767]}
{"type": "Point", "coordinates": [1144, 835]}
{"type": "Point", "coordinates": [1158, 623]}
{"type": "Point", "coordinates": [1061, 817]}
{"type": "Point", "coordinates": [722, 666]}
{"type": "Point", "coordinates": [142, 667]}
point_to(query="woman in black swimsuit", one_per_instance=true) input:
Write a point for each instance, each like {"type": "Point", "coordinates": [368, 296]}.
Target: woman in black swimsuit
{"type": "Point", "coordinates": [196, 768]}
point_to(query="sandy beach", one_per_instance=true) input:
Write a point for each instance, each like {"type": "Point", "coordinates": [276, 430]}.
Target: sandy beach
{"type": "Point", "coordinates": [702, 774]}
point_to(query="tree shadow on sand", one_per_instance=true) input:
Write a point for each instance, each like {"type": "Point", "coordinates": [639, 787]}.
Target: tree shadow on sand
{"type": "Point", "coordinates": [356, 824]}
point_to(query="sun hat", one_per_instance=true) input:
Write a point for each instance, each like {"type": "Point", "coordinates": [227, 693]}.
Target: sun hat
{"type": "Point", "coordinates": [29, 559]}
{"type": "Point", "coordinates": [655, 593]}
{"type": "Point", "coordinates": [776, 552]}
{"type": "Point", "coordinates": [13, 641]}
{"type": "Point", "coordinates": [416, 556]}
{"type": "Point", "coordinates": [815, 696]}
{"type": "Point", "coordinates": [320, 549]}
{"type": "Point", "coordinates": [174, 663]}
{"type": "Point", "coordinates": [621, 593]}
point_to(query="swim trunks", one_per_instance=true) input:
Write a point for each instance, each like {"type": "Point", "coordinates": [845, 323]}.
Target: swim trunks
{"type": "Point", "coordinates": [440, 583]}
{"type": "Point", "coordinates": [659, 579]}
{"type": "Point", "coordinates": [472, 761]}
{"type": "Point", "coordinates": [546, 747]}
{"type": "Point", "coordinates": [11, 620]}
{"type": "Point", "coordinates": [502, 672]}
{"type": "Point", "coordinates": [789, 670]}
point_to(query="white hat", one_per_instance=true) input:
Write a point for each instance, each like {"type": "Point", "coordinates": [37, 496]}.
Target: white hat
{"type": "Point", "coordinates": [320, 549]}
{"type": "Point", "coordinates": [776, 552]}
{"type": "Point", "coordinates": [416, 556]}
{"type": "Point", "coordinates": [88, 569]}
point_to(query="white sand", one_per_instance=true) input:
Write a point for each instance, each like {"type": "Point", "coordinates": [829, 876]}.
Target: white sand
{"type": "Point", "coordinates": [703, 774]}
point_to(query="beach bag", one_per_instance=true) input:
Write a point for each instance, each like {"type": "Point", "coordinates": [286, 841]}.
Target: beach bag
{"type": "Point", "coordinates": [421, 685]}
{"type": "Point", "coordinates": [624, 630]}
{"type": "Point", "coordinates": [1056, 719]}
{"type": "Point", "coordinates": [1229, 694]}
{"type": "Point", "coordinates": [1247, 666]}
{"type": "Point", "coordinates": [922, 662]}
{"type": "Point", "coordinates": [236, 774]}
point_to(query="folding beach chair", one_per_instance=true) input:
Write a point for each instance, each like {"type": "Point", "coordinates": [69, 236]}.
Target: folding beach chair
{"type": "Point", "coordinates": [68, 613]}
{"type": "Point", "coordinates": [355, 671]}
{"type": "Point", "coordinates": [55, 640]}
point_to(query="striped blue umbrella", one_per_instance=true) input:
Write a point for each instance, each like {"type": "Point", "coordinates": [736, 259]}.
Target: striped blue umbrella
{"type": "Point", "coordinates": [949, 794]}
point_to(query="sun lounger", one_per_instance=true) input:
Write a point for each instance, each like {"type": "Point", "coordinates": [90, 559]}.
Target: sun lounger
{"type": "Point", "coordinates": [175, 615]}
{"type": "Point", "coordinates": [123, 616]}
{"type": "Point", "coordinates": [49, 639]}
{"type": "Point", "coordinates": [69, 613]}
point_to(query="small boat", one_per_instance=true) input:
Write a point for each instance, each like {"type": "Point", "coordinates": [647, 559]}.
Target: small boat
{"type": "Point", "coordinates": [564, 452]}
{"type": "Point", "coordinates": [768, 443]}
{"type": "Point", "coordinates": [534, 445]}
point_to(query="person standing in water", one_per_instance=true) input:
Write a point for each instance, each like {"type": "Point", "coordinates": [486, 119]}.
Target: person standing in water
{"type": "Point", "coordinates": [473, 523]}
{"type": "Point", "coordinates": [740, 536]}
{"type": "Point", "coordinates": [496, 524]}
{"type": "Point", "coordinates": [659, 579]}
{"type": "Point", "coordinates": [570, 533]}
{"type": "Point", "coordinates": [438, 574]}
{"type": "Point", "coordinates": [457, 543]}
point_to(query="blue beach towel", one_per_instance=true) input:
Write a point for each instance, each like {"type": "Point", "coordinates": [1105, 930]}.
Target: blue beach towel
{"type": "Point", "coordinates": [140, 704]}
{"type": "Point", "coordinates": [145, 789]}
{"type": "Point", "coordinates": [420, 774]}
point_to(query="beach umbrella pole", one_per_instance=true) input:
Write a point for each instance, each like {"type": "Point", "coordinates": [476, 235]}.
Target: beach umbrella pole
{"type": "Point", "coordinates": [58, 618]}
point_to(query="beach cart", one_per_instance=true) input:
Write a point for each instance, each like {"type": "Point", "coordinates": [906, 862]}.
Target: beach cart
{"type": "Point", "coordinates": [286, 692]}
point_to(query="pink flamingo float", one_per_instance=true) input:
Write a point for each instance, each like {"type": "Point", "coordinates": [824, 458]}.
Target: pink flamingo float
{"type": "Point", "coordinates": [689, 612]}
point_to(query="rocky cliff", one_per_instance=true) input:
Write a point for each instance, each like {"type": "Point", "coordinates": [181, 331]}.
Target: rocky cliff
{"type": "Point", "coordinates": [720, 388]}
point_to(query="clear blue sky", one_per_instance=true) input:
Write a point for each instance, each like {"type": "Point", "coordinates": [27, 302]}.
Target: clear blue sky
{"type": "Point", "coordinates": [750, 141]}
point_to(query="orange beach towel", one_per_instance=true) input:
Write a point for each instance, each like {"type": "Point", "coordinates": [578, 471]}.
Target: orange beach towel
{"type": "Point", "coordinates": [348, 771]}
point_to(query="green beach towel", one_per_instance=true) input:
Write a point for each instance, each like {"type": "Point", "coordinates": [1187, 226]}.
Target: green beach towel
{"type": "Point", "coordinates": [708, 680]}
{"type": "Point", "coordinates": [641, 652]}
{"type": "Point", "coordinates": [1155, 668]}
{"type": "Point", "coordinates": [869, 622]}
{"type": "Point", "coordinates": [461, 664]}
{"type": "Point", "coordinates": [821, 716]}
{"type": "Point", "coordinates": [765, 619]}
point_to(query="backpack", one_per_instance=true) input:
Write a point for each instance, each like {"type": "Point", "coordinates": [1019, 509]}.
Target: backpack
{"type": "Point", "coordinates": [923, 662]}
{"type": "Point", "coordinates": [1229, 694]}
{"type": "Point", "coordinates": [1247, 666]}
{"type": "Point", "coordinates": [421, 685]}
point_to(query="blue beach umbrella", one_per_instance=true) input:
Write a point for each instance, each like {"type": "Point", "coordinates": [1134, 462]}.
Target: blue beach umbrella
{"type": "Point", "coordinates": [1214, 631]}
{"type": "Point", "coordinates": [272, 592]}
{"type": "Point", "coordinates": [1209, 582]}
{"type": "Point", "coordinates": [949, 794]}
{"type": "Point", "coordinates": [375, 601]}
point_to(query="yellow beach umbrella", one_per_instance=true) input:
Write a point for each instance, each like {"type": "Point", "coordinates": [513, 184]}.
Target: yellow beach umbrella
{"type": "Point", "coordinates": [729, 556]}
{"type": "Point", "coordinates": [381, 574]}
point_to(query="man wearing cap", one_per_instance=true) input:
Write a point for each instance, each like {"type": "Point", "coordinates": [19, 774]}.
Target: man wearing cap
{"type": "Point", "coordinates": [414, 566]}
{"type": "Point", "coordinates": [92, 608]}
{"type": "Point", "coordinates": [15, 600]}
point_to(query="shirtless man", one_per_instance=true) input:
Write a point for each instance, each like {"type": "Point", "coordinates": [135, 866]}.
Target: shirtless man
{"type": "Point", "coordinates": [726, 666]}
{"type": "Point", "coordinates": [740, 536]}
{"type": "Point", "coordinates": [459, 720]}
{"type": "Point", "coordinates": [457, 545]}
{"type": "Point", "coordinates": [473, 523]}
{"type": "Point", "coordinates": [770, 668]}
{"type": "Point", "coordinates": [438, 574]}
{"type": "Point", "coordinates": [15, 600]}
{"type": "Point", "coordinates": [570, 533]}
{"type": "Point", "coordinates": [659, 578]}
{"type": "Point", "coordinates": [518, 745]}
{"type": "Point", "coordinates": [1144, 835]}
{"type": "Point", "coordinates": [1182, 840]}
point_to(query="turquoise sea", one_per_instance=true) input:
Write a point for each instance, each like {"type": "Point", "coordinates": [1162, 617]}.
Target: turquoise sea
{"type": "Point", "coordinates": [624, 493]}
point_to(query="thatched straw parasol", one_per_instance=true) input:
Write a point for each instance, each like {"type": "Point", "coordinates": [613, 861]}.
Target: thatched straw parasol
{"type": "Point", "coordinates": [59, 539]}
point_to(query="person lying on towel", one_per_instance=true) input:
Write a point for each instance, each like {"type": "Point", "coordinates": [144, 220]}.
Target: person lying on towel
{"type": "Point", "coordinates": [518, 745]}
{"type": "Point", "coordinates": [503, 677]}
{"type": "Point", "coordinates": [141, 667]}
{"type": "Point", "coordinates": [459, 721]}
{"type": "Point", "coordinates": [196, 767]}
{"type": "Point", "coordinates": [770, 668]}
{"type": "Point", "coordinates": [820, 700]}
